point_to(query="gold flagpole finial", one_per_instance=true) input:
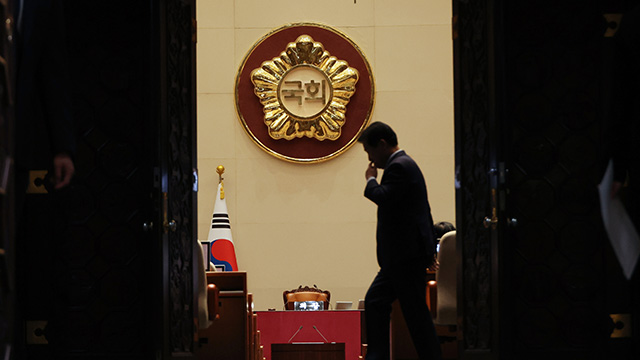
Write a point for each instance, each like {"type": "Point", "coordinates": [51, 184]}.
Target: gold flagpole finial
{"type": "Point", "coordinates": [220, 170]}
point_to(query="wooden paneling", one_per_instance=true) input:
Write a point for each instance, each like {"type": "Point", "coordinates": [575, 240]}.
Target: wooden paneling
{"type": "Point", "coordinates": [530, 126]}
{"type": "Point", "coordinates": [97, 266]}
{"type": "Point", "coordinates": [229, 336]}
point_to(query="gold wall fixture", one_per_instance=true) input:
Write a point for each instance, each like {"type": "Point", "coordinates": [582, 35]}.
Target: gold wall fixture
{"type": "Point", "coordinates": [34, 332]}
{"type": "Point", "coordinates": [613, 24]}
{"type": "Point", "coordinates": [621, 325]}
{"type": "Point", "coordinates": [304, 91]}
{"type": "Point", "coordinates": [37, 179]}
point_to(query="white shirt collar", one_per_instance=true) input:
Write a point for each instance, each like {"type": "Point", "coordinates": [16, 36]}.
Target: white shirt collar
{"type": "Point", "coordinates": [393, 155]}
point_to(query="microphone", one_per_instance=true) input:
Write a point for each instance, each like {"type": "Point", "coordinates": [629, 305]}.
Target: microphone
{"type": "Point", "coordinates": [325, 339]}
{"type": "Point", "coordinates": [296, 333]}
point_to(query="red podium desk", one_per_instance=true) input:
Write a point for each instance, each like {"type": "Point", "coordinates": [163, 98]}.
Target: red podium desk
{"type": "Point", "coordinates": [340, 326]}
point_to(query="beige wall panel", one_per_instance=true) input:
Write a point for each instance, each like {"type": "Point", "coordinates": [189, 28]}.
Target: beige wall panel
{"type": "Point", "coordinates": [340, 259]}
{"type": "Point", "coordinates": [422, 120]}
{"type": "Point", "coordinates": [412, 12]}
{"type": "Point", "coordinates": [274, 13]}
{"type": "Point", "coordinates": [215, 14]}
{"type": "Point", "coordinates": [246, 148]}
{"type": "Point", "coordinates": [215, 64]}
{"type": "Point", "coordinates": [274, 191]}
{"type": "Point", "coordinates": [413, 58]}
{"type": "Point", "coordinates": [217, 126]}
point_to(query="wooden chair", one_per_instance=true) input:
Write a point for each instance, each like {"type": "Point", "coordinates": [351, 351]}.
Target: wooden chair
{"type": "Point", "coordinates": [305, 294]}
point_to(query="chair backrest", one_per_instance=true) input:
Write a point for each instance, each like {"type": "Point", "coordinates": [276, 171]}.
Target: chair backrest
{"type": "Point", "coordinates": [446, 279]}
{"type": "Point", "coordinates": [305, 294]}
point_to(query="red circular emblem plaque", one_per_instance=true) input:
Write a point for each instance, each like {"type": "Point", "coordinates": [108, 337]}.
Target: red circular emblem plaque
{"type": "Point", "coordinates": [304, 92]}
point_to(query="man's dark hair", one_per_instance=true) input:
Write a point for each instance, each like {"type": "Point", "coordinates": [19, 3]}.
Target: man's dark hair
{"type": "Point", "coordinates": [378, 131]}
{"type": "Point", "coordinates": [442, 228]}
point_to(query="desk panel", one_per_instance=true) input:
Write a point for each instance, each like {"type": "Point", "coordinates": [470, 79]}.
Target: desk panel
{"type": "Point", "coordinates": [340, 326]}
{"type": "Point", "coordinates": [307, 351]}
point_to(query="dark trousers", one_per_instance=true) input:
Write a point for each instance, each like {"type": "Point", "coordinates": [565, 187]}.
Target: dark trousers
{"type": "Point", "coordinates": [408, 285]}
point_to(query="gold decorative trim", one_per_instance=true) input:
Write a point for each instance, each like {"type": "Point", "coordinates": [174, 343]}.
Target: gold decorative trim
{"type": "Point", "coordinates": [316, 159]}
{"type": "Point", "coordinates": [36, 182]}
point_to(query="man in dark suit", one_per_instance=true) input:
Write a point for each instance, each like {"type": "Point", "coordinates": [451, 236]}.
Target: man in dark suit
{"type": "Point", "coordinates": [405, 245]}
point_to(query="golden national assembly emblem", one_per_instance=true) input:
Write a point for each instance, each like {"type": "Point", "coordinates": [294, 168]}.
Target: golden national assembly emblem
{"type": "Point", "coordinates": [304, 92]}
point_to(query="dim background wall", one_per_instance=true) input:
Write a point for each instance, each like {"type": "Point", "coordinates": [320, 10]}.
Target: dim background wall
{"type": "Point", "coordinates": [296, 224]}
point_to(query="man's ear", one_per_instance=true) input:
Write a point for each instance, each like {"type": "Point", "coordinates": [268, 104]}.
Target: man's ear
{"type": "Point", "coordinates": [383, 143]}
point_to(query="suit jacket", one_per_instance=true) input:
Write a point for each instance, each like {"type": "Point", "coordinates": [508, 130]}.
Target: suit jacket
{"type": "Point", "coordinates": [44, 125]}
{"type": "Point", "coordinates": [405, 232]}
